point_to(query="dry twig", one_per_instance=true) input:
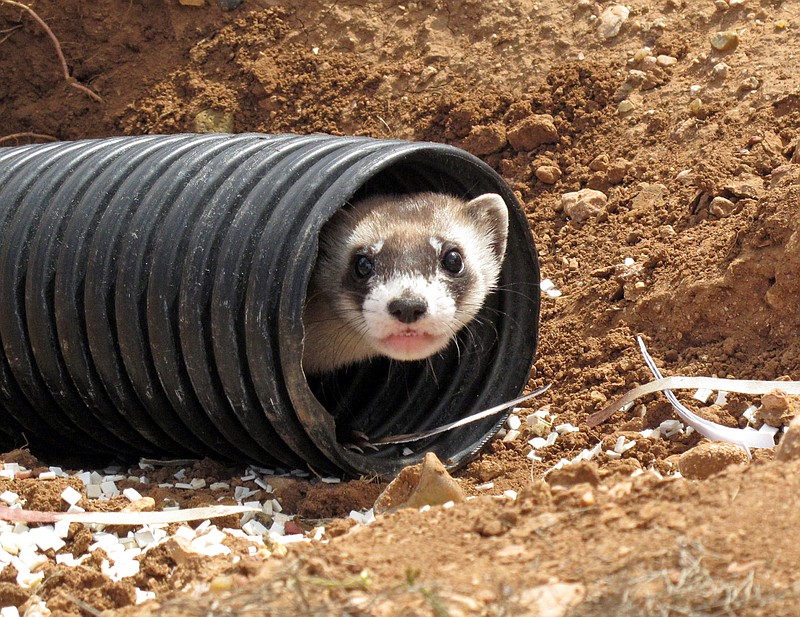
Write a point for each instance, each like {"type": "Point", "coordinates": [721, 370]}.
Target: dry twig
{"type": "Point", "coordinates": [65, 70]}
{"type": "Point", "coordinates": [29, 136]}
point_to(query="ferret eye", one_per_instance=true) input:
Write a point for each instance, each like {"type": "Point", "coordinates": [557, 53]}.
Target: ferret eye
{"type": "Point", "coordinates": [362, 266]}
{"type": "Point", "coordinates": [453, 262]}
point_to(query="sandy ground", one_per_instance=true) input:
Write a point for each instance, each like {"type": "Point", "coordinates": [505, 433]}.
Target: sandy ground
{"type": "Point", "coordinates": [695, 248]}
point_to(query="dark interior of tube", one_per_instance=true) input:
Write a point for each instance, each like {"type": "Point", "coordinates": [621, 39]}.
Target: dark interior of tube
{"type": "Point", "coordinates": [384, 397]}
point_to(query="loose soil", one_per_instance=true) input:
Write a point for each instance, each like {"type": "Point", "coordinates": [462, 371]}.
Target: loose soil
{"type": "Point", "coordinates": [713, 287]}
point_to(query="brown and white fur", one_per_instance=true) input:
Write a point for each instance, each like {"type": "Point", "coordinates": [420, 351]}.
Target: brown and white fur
{"type": "Point", "coordinates": [399, 276]}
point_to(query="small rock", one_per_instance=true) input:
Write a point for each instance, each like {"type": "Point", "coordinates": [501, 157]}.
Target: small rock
{"type": "Point", "coordinates": [213, 121]}
{"type": "Point", "coordinates": [750, 186]}
{"type": "Point", "coordinates": [483, 139]}
{"type": "Point", "coordinates": [625, 107]}
{"type": "Point", "coordinates": [710, 457]}
{"type": "Point", "coordinates": [721, 207]}
{"type": "Point", "coordinates": [583, 204]}
{"type": "Point", "coordinates": [426, 483]}
{"type": "Point", "coordinates": [229, 5]}
{"type": "Point", "coordinates": [533, 132]}
{"type": "Point", "coordinates": [719, 72]}
{"type": "Point", "coordinates": [726, 40]}
{"type": "Point", "coordinates": [552, 600]}
{"type": "Point", "coordinates": [617, 170]}
{"type": "Point", "coordinates": [663, 60]}
{"type": "Point", "coordinates": [611, 20]}
{"type": "Point", "coordinates": [777, 408]}
{"type": "Point", "coordinates": [789, 447]}
{"type": "Point", "coordinates": [599, 163]}
{"type": "Point", "coordinates": [649, 197]}
{"type": "Point", "coordinates": [549, 174]}
{"type": "Point", "coordinates": [579, 472]}
{"type": "Point", "coordinates": [696, 108]}
{"type": "Point", "coordinates": [749, 84]}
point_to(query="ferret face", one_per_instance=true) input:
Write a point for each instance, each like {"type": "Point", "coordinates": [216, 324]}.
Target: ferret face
{"type": "Point", "coordinates": [404, 274]}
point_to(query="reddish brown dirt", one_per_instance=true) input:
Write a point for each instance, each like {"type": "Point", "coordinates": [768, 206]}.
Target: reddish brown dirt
{"type": "Point", "coordinates": [713, 291]}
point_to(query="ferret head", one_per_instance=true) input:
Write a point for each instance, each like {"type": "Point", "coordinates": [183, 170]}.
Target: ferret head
{"type": "Point", "coordinates": [410, 271]}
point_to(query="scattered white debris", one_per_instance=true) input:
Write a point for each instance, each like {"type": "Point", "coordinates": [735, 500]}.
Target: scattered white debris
{"type": "Point", "coordinates": [510, 494]}
{"type": "Point", "coordinates": [485, 487]}
{"type": "Point", "coordinates": [549, 288]}
{"type": "Point", "coordinates": [622, 446]}
{"type": "Point", "coordinates": [364, 518]}
{"type": "Point", "coordinates": [670, 428]}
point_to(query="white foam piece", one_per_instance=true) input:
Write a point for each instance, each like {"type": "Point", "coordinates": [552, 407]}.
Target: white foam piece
{"type": "Point", "coordinates": [537, 442]}
{"type": "Point", "coordinates": [71, 496]}
{"type": "Point", "coordinates": [513, 422]}
{"type": "Point", "coordinates": [180, 474]}
{"type": "Point", "coordinates": [219, 486]}
{"type": "Point", "coordinates": [722, 398]}
{"type": "Point", "coordinates": [254, 528]}
{"type": "Point", "coordinates": [749, 413]}
{"type": "Point", "coordinates": [407, 451]}
{"type": "Point", "coordinates": [144, 596]}
{"type": "Point", "coordinates": [185, 532]}
{"type": "Point", "coordinates": [327, 480]}
{"type": "Point", "coordinates": [510, 494]}
{"type": "Point", "coordinates": [9, 611]}
{"type": "Point", "coordinates": [197, 483]}
{"type": "Point", "coordinates": [551, 438]}
{"type": "Point", "coordinates": [144, 538]}
{"type": "Point", "coordinates": [131, 494]}
{"type": "Point", "coordinates": [29, 579]}
{"type": "Point", "coordinates": [546, 285]}
{"type": "Point", "coordinates": [9, 497]}
{"type": "Point", "coordinates": [109, 488]}
{"type": "Point", "coordinates": [266, 487]}
{"type": "Point", "coordinates": [562, 429]}
{"type": "Point", "coordinates": [61, 529]}
{"type": "Point", "coordinates": [183, 485]}
{"type": "Point", "coordinates": [702, 394]}
{"type": "Point", "coordinates": [629, 261]}
{"type": "Point", "coordinates": [511, 436]}
{"type": "Point", "coordinates": [485, 487]}
{"type": "Point", "coordinates": [47, 475]}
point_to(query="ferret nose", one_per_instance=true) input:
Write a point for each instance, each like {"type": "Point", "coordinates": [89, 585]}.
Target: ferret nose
{"type": "Point", "coordinates": [407, 310]}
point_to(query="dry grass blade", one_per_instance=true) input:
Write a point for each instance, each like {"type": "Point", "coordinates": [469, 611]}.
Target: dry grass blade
{"type": "Point", "coordinates": [64, 68]}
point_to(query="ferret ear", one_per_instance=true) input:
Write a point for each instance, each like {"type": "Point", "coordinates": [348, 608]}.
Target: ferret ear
{"type": "Point", "coordinates": [491, 213]}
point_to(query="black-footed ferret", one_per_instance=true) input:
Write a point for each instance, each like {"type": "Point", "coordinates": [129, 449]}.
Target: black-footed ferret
{"type": "Point", "coordinates": [399, 276]}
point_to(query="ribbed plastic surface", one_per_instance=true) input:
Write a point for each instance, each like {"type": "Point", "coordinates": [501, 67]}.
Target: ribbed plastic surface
{"type": "Point", "coordinates": [153, 291]}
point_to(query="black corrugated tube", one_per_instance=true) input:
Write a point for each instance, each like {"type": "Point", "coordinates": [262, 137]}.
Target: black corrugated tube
{"type": "Point", "coordinates": [153, 290]}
